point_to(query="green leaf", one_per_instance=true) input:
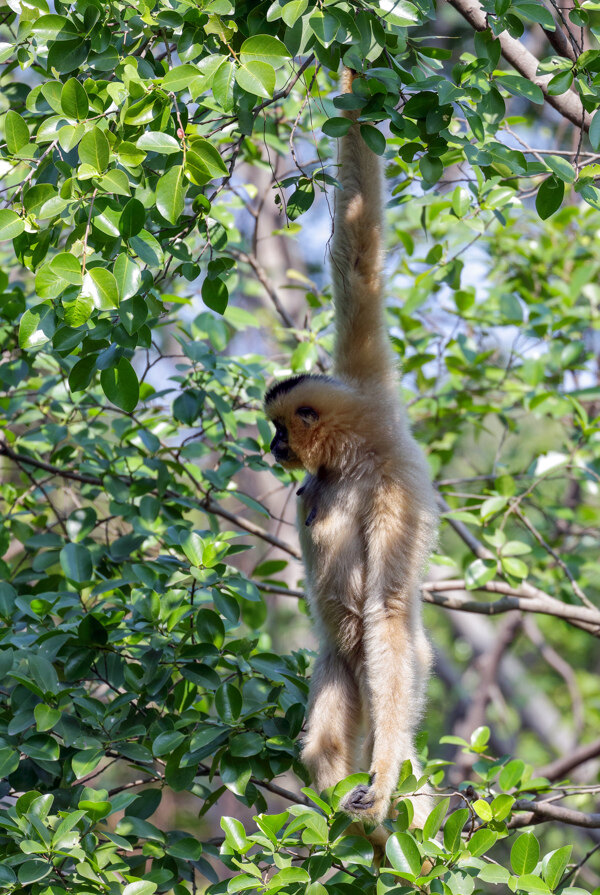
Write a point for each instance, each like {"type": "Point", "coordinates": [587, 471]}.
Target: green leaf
{"type": "Point", "coordinates": [52, 27]}
{"type": "Point", "coordinates": [511, 774]}
{"type": "Point", "coordinates": [287, 877]}
{"type": "Point", "coordinates": [235, 774]}
{"type": "Point", "coordinates": [373, 138]}
{"type": "Point", "coordinates": [7, 876]}
{"type": "Point", "coordinates": [9, 762]}
{"type": "Point", "coordinates": [453, 829]}
{"type": "Point", "coordinates": [115, 181]}
{"type": "Point", "coordinates": [265, 49]}
{"type": "Point", "coordinates": [532, 884]}
{"type": "Point", "coordinates": [16, 131]}
{"type": "Point", "coordinates": [520, 86]}
{"type": "Point", "coordinates": [461, 201]}
{"type": "Point", "coordinates": [257, 78]}
{"type": "Point", "coordinates": [324, 25]}
{"type": "Point", "coordinates": [246, 744]}
{"type": "Point", "coordinates": [76, 562]}
{"type": "Point", "coordinates": [215, 294]}
{"type": "Point", "coordinates": [67, 267]}
{"type": "Point", "coordinates": [120, 385]}
{"type": "Point", "coordinates": [45, 717]}
{"type": "Point", "coordinates": [494, 873]}
{"type": "Point", "coordinates": [536, 12]}
{"type": "Point", "coordinates": [133, 218]}
{"type": "Point", "coordinates": [349, 849]}
{"type": "Point", "coordinates": [209, 156]}
{"type": "Point", "coordinates": [292, 11]}
{"type": "Point", "coordinates": [223, 84]}
{"type": "Point", "coordinates": [179, 78]}
{"type": "Point", "coordinates": [74, 100]}
{"type": "Point", "coordinates": [560, 83]}
{"type": "Point", "coordinates": [555, 864]}
{"type": "Point", "coordinates": [594, 132]}
{"type": "Point", "coordinates": [435, 819]}
{"type": "Point", "coordinates": [514, 566]}
{"type": "Point", "coordinates": [140, 887]}
{"type": "Point", "coordinates": [479, 572]}
{"type": "Point", "coordinates": [480, 738]}
{"type": "Point", "coordinates": [170, 194]}
{"type": "Point", "coordinates": [235, 834]}
{"type": "Point", "coordinates": [483, 809]}
{"type": "Point", "coordinates": [501, 806]}
{"type": "Point", "coordinates": [336, 127]}
{"type": "Point", "coordinates": [36, 326]}
{"type": "Point", "coordinates": [33, 871]}
{"type": "Point", "coordinates": [561, 167]}
{"type": "Point", "coordinates": [127, 275]}
{"type": "Point", "coordinates": [228, 702]}
{"type": "Point", "coordinates": [525, 853]}
{"type": "Point", "coordinates": [154, 141]}
{"type": "Point", "coordinates": [100, 285]}
{"type": "Point", "coordinates": [481, 841]}
{"type": "Point", "coordinates": [167, 742]}
{"type": "Point", "coordinates": [193, 547]}
{"type": "Point", "coordinates": [11, 224]}
{"type": "Point", "coordinates": [94, 150]}
{"type": "Point", "coordinates": [301, 199]}
{"type": "Point", "coordinates": [404, 855]}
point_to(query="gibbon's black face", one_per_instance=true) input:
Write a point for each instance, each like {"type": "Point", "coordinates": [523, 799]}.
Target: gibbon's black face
{"type": "Point", "coordinates": [280, 446]}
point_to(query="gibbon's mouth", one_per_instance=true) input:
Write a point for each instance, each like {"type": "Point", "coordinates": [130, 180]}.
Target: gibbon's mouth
{"type": "Point", "coordinates": [284, 456]}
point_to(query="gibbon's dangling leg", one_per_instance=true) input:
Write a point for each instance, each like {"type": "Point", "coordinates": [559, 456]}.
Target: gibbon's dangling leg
{"type": "Point", "coordinates": [329, 749]}
{"type": "Point", "coordinates": [366, 513]}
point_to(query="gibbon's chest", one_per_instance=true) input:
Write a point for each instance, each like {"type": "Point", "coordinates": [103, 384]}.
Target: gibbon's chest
{"type": "Point", "coordinates": [334, 553]}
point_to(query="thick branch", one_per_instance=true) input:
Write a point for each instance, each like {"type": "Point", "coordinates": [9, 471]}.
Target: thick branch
{"type": "Point", "coordinates": [545, 811]}
{"type": "Point", "coordinates": [451, 595]}
{"type": "Point", "coordinates": [567, 104]}
{"type": "Point", "coordinates": [526, 597]}
{"type": "Point", "coordinates": [558, 769]}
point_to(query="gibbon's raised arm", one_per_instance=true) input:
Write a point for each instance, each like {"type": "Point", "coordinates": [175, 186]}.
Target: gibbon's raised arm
{"type": "Point", "coordinates": [362, 351]}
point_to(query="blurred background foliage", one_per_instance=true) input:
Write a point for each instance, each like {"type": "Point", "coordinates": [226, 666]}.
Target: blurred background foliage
{"type": "Point", "coordinates": [168, 172]}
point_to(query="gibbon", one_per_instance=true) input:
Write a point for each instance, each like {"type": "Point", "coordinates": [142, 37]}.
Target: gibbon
{"type": "Point", "coordinates": [366, 516]}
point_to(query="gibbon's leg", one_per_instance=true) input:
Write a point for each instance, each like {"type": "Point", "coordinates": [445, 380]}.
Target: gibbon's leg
{"type": "Point", "coordinates": [333, 721]}
{"type": "Point", "coordinates": [391, 683]}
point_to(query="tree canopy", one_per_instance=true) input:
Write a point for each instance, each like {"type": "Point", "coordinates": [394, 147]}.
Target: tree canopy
{"type": "Point", "coordinates": [152, 685]}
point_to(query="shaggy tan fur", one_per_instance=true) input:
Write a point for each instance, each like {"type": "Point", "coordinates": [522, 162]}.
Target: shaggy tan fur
{"type": "Point", "coordinates": [366, 517]}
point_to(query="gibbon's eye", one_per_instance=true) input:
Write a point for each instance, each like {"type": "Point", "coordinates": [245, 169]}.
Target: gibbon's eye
{"type": "Point", "coordinates": [307, 415]}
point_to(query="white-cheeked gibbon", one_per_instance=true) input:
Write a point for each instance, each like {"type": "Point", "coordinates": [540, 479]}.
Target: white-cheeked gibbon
{"type": "Point", "coordinates": [366, 516]}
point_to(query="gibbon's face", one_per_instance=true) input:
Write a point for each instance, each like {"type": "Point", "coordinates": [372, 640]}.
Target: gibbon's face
{"type": "Point", "coordinates": [291, 437]}
{"type": "Point", "coordinates": [294, 421]}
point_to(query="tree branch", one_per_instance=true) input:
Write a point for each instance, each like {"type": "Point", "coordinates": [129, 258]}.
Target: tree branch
{"type": "Point", "coordinates": [567, 104]}
{"type": "Point", "coordinates": [559, 768]}
{"type": "Point", "coordinates": [205, 503]}
{"type": "Point", "coordinates": [540, 812]}
{"type": "Point", "coordinates": [451, 594]}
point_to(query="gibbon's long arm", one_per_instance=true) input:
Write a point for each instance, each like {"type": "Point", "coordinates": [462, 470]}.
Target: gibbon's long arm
{"type": "Point", "coordinates": [362, 352]}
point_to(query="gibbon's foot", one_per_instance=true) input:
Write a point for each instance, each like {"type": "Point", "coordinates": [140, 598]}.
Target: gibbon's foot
{"type": "Point", "coordinates": [363, 803]}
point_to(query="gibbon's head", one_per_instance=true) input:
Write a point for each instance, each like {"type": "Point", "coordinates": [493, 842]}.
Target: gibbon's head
{"type": "Point", "coordinates": [313, 418]}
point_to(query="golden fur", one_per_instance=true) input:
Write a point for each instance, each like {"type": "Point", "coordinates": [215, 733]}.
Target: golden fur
{"type": "Point", "coordinates": [366, 517]}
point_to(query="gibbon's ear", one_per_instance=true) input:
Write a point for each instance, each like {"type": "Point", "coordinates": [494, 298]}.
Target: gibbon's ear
{"type": "Point", "coordinates": [307, 415]}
